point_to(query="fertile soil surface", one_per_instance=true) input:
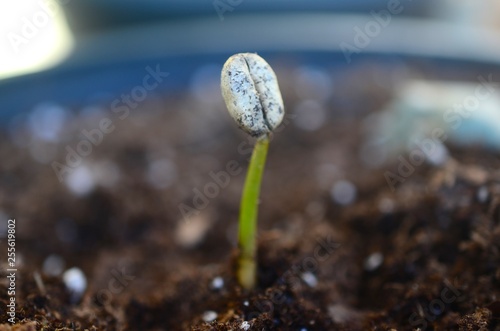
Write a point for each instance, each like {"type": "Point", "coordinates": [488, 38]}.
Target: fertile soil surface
{"type": "Point", "coordinates": [423, 256]}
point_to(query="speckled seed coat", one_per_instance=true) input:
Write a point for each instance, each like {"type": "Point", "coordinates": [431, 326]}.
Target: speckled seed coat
{"type": "Point", "coordinates": [252, 95]}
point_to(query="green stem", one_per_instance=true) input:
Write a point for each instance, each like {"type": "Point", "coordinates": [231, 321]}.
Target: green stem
{"type": "Point", "coordinates": [247, 266]}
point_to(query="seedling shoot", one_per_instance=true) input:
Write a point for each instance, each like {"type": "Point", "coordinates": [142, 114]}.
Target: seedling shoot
{"type": "Point", "coordinates": [253, 98]}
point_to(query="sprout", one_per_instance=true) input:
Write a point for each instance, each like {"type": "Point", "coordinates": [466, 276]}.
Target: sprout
{"type": "Point", "coordinates": [251, 92]}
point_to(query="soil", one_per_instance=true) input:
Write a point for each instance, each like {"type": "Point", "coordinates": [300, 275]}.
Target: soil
{"type": "Point", "coordinates": [425, 256]}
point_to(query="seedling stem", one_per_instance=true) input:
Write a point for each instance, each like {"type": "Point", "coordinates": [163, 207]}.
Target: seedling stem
{"type": "Point", "coordinates": [246, 272]}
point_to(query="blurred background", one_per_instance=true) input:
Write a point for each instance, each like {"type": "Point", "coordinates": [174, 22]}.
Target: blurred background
{"type": "Point", "coordinates": [64, 60]}
{"type": "Point", "coordinates": [67, 50]}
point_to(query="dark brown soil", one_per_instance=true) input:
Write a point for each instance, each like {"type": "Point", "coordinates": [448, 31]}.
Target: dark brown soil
{"type": "Point", "coordinates": [424, 256]}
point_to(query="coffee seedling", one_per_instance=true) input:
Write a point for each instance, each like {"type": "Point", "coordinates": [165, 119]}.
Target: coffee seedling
{"type": "Point", "coordinates": [251, 92]}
